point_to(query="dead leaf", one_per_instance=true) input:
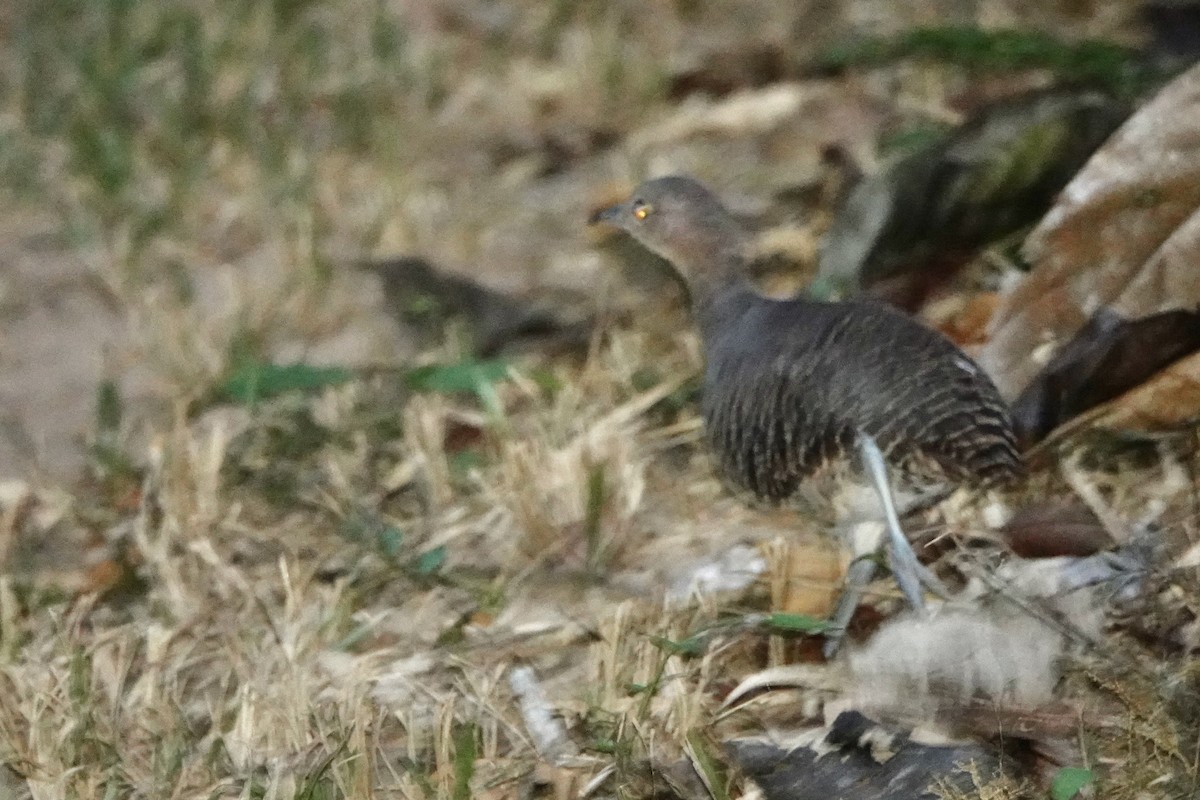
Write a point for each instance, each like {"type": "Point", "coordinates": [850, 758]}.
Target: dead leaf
{"type": "Point", "coordinates": [964, 319]}
{"type": "Point", "coordinates": [789, 676]}
{"type": "Point", "coordinates": [722, 72]}
{"type": "Point", "coordinates": [1125, 235]}
{"type": "Point", "coordinates": [878, 762]}
{"type": "Point", "coordinates": [1170, 399]}
{"type": "Point", "coordinates": [1174, 29]}
{"type": "Point", "coordinates": [1108, 356]}
{"type": "Point", "coordinates": [1056, 528]}
{"type": "Point", "coordinates": [542, 723]}
{"type": "Point", "coordinates": [811, 580]}
{"type": "Point", "coordinates": [103, 575]}
{"type": "Point", "coordinates": [903, 232]}
{"type": "Point", "coordinates": [462, 435]}
{"type": "Point", "coordinates": [423, 298]}
{"type": "Point", "coordinates": [1190, 559]}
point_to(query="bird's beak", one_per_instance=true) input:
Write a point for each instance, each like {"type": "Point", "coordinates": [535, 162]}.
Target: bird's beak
{"type": "Point", "coordinates": [613, 215]}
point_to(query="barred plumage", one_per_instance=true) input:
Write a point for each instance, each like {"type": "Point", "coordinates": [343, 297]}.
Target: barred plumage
{"type": "Point", "coordinates": [789, 383]}
{"type": "Point", "coordinates": [797, 391]}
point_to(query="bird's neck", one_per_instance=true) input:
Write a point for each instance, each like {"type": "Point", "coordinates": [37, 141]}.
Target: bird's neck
{"type": "Point", "coordinates": [720, 298]}
{"type": "Point", "coordinates": [712, 262]}
{"type": "Point", "coordinates": [709, 261]}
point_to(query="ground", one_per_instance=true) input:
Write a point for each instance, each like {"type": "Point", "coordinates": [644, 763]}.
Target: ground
{"type": "Point", "coordinates": [378, 586]}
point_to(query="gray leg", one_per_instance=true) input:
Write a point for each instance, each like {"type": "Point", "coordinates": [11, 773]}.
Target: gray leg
{"type": "Point", "coordinates": [862, 570]}
{"type": "Point", "coordinates": [910, 573]}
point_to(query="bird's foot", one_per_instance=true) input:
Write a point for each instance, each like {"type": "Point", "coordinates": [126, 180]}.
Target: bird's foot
{"type": "Point", "coordinates": [910, 575]}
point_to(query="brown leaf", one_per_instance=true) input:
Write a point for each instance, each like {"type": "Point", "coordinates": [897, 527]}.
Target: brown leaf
{"type": "Point", "coordinates": [103, 575]}
{"type": "Point", "coordinates": [1108, 356]}
{"type": "Point", "coordinates": [904, 232]}
{"type": "Point", "coordinates": [461, 435]}
{"type": "Point", "coordinates": [1125, 234]}
{"type": "Point", "coordinates": [877, 761]}
{"type": "Point", "coordinates": [1168, 400]}
{"type": "Point", "coordinates": [1053, 720]}
{"type": "Point", "coordinates": [1055, 529]}
{"type": "Point", "coordinates": [814, 579]}
{"type": "Point", "coordinates": [423, 298]}
{"type": "Point", "coordinates": [724, 71]}
{"type": "Point", "coordinates": [966, 321]}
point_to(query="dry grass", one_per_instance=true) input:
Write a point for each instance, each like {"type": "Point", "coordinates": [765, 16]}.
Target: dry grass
{"type": "Point", "coordinates": [325, 595]}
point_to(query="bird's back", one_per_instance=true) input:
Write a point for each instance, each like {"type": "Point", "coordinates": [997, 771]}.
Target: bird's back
{"type": "Point", "coordinates": [788, 385]}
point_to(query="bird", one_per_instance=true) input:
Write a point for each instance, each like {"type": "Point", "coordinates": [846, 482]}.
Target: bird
{"type": "Point", "coordinates": [806, 401]}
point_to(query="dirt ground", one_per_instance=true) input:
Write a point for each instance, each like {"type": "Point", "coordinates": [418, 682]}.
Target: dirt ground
{"type": "Point", "coordinates": [337, 592]}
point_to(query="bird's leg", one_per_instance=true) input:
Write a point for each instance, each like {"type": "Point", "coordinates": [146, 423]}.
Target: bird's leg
{"type": "Point", "coordinates": [909, 572]}
{"type": "Point", "coordinates": [858, 575]}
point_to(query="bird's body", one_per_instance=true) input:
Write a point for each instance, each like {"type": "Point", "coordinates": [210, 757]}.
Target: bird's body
{"type": "Point", "coordinates": [799, 394]}
{"type": "Point", "coordinates": [789, 384]}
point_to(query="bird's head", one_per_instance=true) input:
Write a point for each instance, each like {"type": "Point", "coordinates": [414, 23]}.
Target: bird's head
{"type": "Point", "coordinates": [682, 221]}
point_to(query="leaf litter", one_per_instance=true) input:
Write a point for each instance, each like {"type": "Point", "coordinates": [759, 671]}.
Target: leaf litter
{"type": "Point", "coordinates": [339, 585]}
{"type": "Point", "coordinates": [1122, 237]}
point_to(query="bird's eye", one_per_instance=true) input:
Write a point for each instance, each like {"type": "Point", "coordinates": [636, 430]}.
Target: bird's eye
{"type": "Point", "coordinates": [641, 210]}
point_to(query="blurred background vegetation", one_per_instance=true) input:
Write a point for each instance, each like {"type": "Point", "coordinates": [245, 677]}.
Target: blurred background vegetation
{"type": "Point", "coordinates": [263, 534]}
{"type": "Point", "coordinates": [159, 146]}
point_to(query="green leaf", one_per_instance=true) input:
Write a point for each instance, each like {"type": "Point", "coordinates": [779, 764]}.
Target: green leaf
{"type": "Point", "coordinates": [466, 377]}
{"type": "Point", "coordinates": [547, 381]}
{"type": "Point", "coordinates": [645, 379]}
{"type": "Point", "coordinates": [262, 380]}
{"type": "Point", "coordinates": [356, 636]}
{"type": "Point", "coordinates": [691, 646]}
{"type": "Point", "coordinates": [318, 784]}
{"type": "Point", "coordinates": [430, 562]}
{"type": "Point", "coordinates": [594, 510]}
{"type": "Point", "coordinates": [912, 139]}
{"type": "Point", "coordinates": [1068, 781]}
{"type": "Point", "coordinates": [712, 772]}
{"type": "Point", "coordinates": [464, 761]}
{"type": "Point", "coordinates": [109, 408]}
{"type": "Point", "coordinates": [797, 623]}
{"type": "Point", "coordinates": [390, 539]}
{"type": "Point", "coordinates": [604, 745]}
{"type": "Point", "coordinates": [1092, 61]}
{"type": "Point", "coordinates": [462, 462]}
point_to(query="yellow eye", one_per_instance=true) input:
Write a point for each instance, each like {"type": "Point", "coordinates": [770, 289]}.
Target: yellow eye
{"type": "Point", "coordinates": [642, 210]}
